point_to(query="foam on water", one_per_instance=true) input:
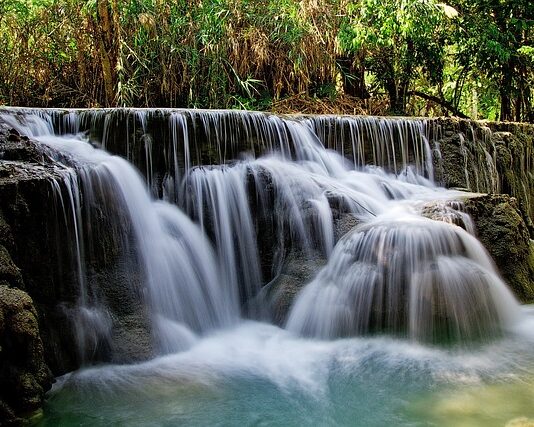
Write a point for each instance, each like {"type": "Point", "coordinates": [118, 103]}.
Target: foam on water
{"type": "Point", "coordinates": [357, 381]}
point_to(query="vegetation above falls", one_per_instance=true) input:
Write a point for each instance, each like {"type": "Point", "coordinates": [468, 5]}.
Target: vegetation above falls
{"type": "Point", "coordinates": [470, 58]}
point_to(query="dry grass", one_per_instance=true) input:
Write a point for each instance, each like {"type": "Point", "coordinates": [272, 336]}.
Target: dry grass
{"type": "Point", "coordinates": [340, 105]}
{"type": "Point", "coordinates": [200, 53]}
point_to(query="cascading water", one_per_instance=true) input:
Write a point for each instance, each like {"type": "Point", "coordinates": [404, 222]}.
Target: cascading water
{"type": "Point", "coordinates": [186, 293]}
{"type": "Point", "coordinates": [405, 274]}
{"type": "Point", "coordinates": [260, 186]}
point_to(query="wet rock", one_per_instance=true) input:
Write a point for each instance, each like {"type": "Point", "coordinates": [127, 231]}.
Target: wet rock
{"type": "Point", "coordinates": [501, 227]}
{"type": "Point", "coordinates": [449, 165]}
{"type": "Point", "coordinates": [450, 211]}
{"type": "Point", "coordinates": [9, 272]}
{"type": "Point", "coordinates": [344, 223]}
{"type": "Point", "coordinates": [37, 246]}
{"type": "Point", "coordinates": [132, 341]}
{"type": "Point", "coordinates": [119, 283]}
{"type": "Point", "coordinates": [24, 376]}
{"type": "Point", "coordinates": [15, 147]}
{"type": "Point", "coordinates": [485, 157]}
{"type": "Point", "coordinates": [514, 154]}
{"type": "Point", "coordinates": [6, 238]}
{"type": "Point", "coordinates": [39, 235]}
{"type": "Point", "coordinates": [299, 268]}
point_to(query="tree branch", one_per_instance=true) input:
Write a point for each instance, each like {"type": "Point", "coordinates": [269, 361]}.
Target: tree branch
{"type": "Point", "coordinates": [445, 104]}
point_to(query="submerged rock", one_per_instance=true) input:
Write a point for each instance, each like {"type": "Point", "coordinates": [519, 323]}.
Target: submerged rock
{"type": "Point", "coordinates": [405, 275]}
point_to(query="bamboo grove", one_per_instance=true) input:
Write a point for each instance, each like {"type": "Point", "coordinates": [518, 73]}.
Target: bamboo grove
{"type": "Point", "coordinates": [471, 58]}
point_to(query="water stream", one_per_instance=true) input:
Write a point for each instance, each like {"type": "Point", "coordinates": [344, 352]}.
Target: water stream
{"type": "Point", "coordinates": [404, 322]}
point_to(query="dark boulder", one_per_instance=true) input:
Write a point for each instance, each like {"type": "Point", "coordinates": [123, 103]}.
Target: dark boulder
{"type": "Point", "coordinates": [24, 375]}
{"type": "Point", "coordinates": [502, 226]}
{"type": "Point", "coordinates": [298, 269]}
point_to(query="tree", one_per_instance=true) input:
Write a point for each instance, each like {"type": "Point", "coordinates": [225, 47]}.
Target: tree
{"type": "Point", "coordinates": [398, 40]}
{"type": "Point", "coordinates": [494, 42]}
{"type": "Point", "coordinates": [107, 31]}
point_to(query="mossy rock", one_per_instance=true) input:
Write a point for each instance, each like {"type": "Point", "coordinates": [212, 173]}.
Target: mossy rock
{"type": "Point", "coordinates": [9, 272]}
{"type": "Point", "coordinates": [298, 270]}
{"type": "Point", "coordinates": [6, 238]}
{"type": "Point", "coordinates": [502, 229]}
{"type": "Point", "coordinates": [449, 170]}
{"type": "Point", "coordinates": [24, 376]}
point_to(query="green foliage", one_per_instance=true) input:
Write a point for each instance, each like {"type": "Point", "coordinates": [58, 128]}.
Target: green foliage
{"type": "Point", "coordinates": [527, 51]}
{"type": "Point", "coordinates": [397, 41]}
{"type": "Point", "coordinates": [473, 56]}
{"type": "Point", "coordinates": [493, 45]}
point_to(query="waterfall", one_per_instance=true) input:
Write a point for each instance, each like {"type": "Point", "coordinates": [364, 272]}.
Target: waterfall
{"type": "Point", "coordinates": [225, 196]}
{"type": "Point", "coordinates": [404, 274]}
{"type": "Point", "coordinates": [186, 294]}
{"type": "Point", "coordinates": [187, 138]}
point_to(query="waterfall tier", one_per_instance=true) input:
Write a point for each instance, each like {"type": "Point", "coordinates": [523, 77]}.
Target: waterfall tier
{"type": "Point", "coordinates": [410, 276]}
{"type": "Point", "coordinates": [238, 192]}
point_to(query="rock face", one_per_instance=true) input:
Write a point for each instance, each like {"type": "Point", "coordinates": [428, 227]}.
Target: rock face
{"type": "Point", "coordinates": [298, 270]}
{"type": "Point", "coordinates": [29, 326]}
{"type": "Point", "coordinates": [505, 231]}
{"type": "Point", "coordinates": [31, 235]}
{"type": "Point", "coordinates": [502, 227]}
{"type": "Point", "coordinates": [37, 259]}
{"type": "Point", "coordinates": [37, 230]}
{"type": "Point", "coordinates": [486, 157]}
{"type": "Point", "coordinates": [24, 375]}
{"type": "Point", "coordinates": [494, 158]}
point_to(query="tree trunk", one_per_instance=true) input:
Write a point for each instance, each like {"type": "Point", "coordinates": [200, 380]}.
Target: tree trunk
{"type": "Point", "coordinates": [391, 88]}
{"type": "Point", "coordinates": [403, 96]}
{"type": "Point", "coordinates": [506, 105]}
{"type": "Point", "coordinates": [398, 95]}
{"type": "Point", "coordinates": [353, 77]}
{"type": "Point", "coordinates": [505, 92]}
{"type": "Point", "coordinates": [108, 42]}
{"type": "Point", "coordinates": [518, 104]}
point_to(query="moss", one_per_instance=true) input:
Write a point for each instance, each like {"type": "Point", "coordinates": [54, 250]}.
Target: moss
{"type": "Point", "coordinates": [449, 165]}
{"type": "Point", "coordinates": [503, 231]}
{"type": "Point", "coordinates": [6, 238]}
{"type": "Point", "coordinates": [24, 324]}
{"type": "Point", "coordinates": [7, 416]}
{"type": "Point", "coordinates": [8, 270]}
{"type": "Point", "coordinates": [23, 373]}
{"type": "Point", "coordinates": [463, 159]}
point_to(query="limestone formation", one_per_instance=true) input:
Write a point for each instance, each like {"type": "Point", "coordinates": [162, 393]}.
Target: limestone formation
{"type": "Point", "coordinates": [503, 229]}
{"type": "Point", "coordinates": [24, 375]}
{"type": "Point", "coordinates": [39, 287]}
